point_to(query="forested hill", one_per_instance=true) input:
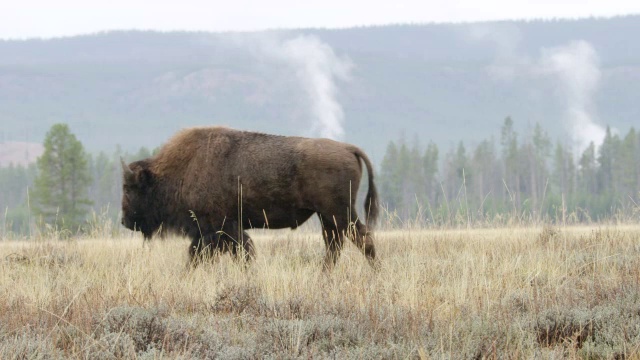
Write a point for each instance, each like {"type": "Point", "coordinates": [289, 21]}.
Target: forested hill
{"type": "Point", "coordinates": [441, 83]}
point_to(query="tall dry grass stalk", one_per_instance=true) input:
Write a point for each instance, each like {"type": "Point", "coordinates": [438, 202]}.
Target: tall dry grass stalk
{"type": "Point", "coordinates": [536, 292]}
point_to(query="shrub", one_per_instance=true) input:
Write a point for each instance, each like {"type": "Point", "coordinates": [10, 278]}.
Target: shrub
{"type": "Point", "coordinates": [238, 299]}
{"type": "Point", "coordinates": [28, 346]}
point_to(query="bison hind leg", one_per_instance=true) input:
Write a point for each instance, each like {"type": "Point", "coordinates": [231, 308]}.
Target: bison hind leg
{"type": "Point", "coordinates": [334, 230]}
{"type": "Point", "coordinates": [238, 242]}
{"type": "Point", "coordinates": [363, 239]}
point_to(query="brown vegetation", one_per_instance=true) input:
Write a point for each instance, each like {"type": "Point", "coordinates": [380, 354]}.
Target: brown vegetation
{"type": "Point", "coordinates": [462, 294]}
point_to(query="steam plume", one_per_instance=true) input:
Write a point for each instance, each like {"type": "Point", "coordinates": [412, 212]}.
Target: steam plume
{"type": "Point", "coordinates": [574, 67]}
{"type": "Point", "coordinates": [317, 70]}
{"type": "Point", "coordinates": [577, 67]}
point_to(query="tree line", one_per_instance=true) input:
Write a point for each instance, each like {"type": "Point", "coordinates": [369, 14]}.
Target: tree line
{"type": "Point", "coordinates": [515, 178]}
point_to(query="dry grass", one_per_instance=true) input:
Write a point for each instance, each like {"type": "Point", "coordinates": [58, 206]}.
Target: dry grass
{"type": "Point", "coordinates": [460, 294]}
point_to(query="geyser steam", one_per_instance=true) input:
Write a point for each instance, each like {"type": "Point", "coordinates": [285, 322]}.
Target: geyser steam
{"type": "Point", "coordinates": [577, 68]}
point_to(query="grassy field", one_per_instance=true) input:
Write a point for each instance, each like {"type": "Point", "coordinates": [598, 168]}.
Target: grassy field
{"type": "Point", "coordinates": [459, 294]}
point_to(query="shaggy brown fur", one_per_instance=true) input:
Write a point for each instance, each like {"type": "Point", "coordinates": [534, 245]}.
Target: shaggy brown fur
{"type": "Point", "coordinates": [232, 180]}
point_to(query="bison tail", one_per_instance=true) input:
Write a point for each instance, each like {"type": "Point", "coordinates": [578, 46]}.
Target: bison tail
{"type": "Point", "coordinates": [371, 204]}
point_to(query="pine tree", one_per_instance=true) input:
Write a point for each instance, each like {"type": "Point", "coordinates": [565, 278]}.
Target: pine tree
{"type": "Point", "coordinates": [430, 169]}
{"type": "Point", "coordinates": [106, 177]}
{"type": "Point", "coordinates": [511, 174]}
{"type": "Point", "coordinates": [636, 195]}
{"type": "Point", "coordinates": [538, 165]}
{"type": "Point", "coordinates": [629, 161]}
{"type": "Point", "coordinates": [486, 175]}
{"type": "Point", "coordinates": [606, 156]}
{"type": "Point", "coordinates": [587, 180]}
{"type": "Point", "coordinates": [63, 179]}
{"type": "Point", "coordinates": [14, 182]}
{"type": "Point", "coordinates": [390, 177]}
{"type": "Point", "coordinates": [564, 172]}
{"type": "Point", "coordinates": [462, 167]}
{"type": "Point", "coordinates": [407, 193]}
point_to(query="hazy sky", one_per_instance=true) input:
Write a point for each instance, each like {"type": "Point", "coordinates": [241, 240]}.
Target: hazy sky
{"type": "Point", "coordinates": [32, 18]}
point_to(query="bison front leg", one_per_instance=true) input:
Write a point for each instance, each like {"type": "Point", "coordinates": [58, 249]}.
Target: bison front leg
{"type": "Point", "coordinates": [196, 250]}
{"type": "Point", "coordinates": [203, 248]}
{"type": "Point", "coordinates": [333, 241]}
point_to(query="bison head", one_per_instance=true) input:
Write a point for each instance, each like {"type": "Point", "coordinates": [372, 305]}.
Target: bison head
{"type": "Point", "coordinates": [137, 198]}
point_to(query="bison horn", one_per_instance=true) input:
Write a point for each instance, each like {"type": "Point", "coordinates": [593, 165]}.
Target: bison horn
{"type": "Point", "coordinates": [127, 170]}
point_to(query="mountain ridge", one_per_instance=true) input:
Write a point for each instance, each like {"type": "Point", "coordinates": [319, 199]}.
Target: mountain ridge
{"type": "Point", "coordinates": [432, 82]}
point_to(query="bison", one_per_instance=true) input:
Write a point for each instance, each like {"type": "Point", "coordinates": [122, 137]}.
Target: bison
{"type": "Point", "coordinates": [211, 183]}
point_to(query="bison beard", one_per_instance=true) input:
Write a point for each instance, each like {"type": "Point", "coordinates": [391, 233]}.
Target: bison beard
{"type": "Point", "coordinates": [210, 183]}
